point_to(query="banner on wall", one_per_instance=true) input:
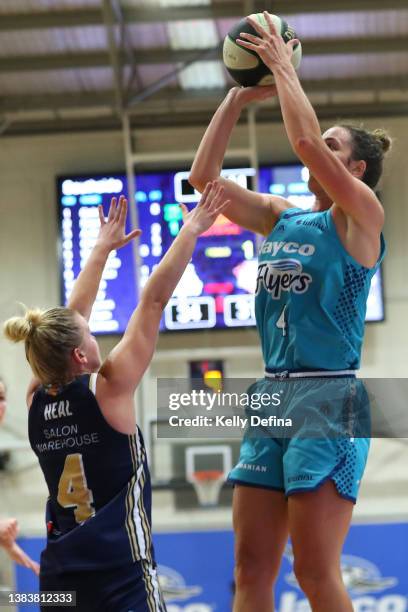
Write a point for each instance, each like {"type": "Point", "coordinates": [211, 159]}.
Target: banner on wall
{"type": "Point", "coordinates": [196, 571]}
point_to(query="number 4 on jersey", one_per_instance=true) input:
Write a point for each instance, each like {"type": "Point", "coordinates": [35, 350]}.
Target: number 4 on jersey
{"type": "Point", "coordinates": [73, 489]}
{"type": "Point", "coordinates": [281, 322]}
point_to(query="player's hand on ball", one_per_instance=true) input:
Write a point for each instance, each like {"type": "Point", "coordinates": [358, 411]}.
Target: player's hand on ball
{"type": "Point", "coordinates": [270, 46]}
{"type": "Point", "coordinates": [211, 204]}
{"type": "Point", "coordinates": [246, 95]}
{"type": "Point", "coordinates": [112, 232]}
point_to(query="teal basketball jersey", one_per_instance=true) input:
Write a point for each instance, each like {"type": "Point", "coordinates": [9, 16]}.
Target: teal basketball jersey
{"type": "Point", "coordinates": [311, 295]}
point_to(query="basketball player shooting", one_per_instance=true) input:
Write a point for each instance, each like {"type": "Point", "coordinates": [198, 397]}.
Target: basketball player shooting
{"type": "Point", "coordinates": [315, 269]}
{"type": "Point", "coordinates": [83, 429]}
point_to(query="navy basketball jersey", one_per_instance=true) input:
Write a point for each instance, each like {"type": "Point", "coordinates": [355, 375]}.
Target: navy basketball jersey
{"type": "Point", "coordinates": [311, 295]}
{"type": "Point", "coordinates": [99, 506]}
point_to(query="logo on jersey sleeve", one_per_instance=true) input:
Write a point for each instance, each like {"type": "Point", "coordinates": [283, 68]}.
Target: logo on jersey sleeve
{"type": "Point", "coordinates": [282, 275]}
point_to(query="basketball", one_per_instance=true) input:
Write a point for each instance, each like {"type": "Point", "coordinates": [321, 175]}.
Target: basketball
{"type": "Point", "coordinates": [245, 66]}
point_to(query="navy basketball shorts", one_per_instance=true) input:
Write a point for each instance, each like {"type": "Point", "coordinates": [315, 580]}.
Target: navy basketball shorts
{"type": "Point", "coordinates": [132, 588]}
{"type": "Point", "coordinates": [316, 429]}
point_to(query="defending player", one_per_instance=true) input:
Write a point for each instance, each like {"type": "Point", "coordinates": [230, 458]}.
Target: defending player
{"type": "Point", "coordinates": [83, 429]}
{"type": "Point", "coordinates": [314, 275]}
{"type": "Point", "coordinates": [9, 526]}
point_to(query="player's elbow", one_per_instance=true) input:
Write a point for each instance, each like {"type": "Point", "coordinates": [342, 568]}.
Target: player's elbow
{"type": "Point", "coordinates": [197, 181]}
{"type": "Point", "coordinates": [153, 301]}
{"type": "Point", "coordinates": [304, 145]}
{"type": "Point", "coordinates": [199, 177]}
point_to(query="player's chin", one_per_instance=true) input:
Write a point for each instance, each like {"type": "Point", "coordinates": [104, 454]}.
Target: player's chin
{"type": "Point", "coordinates": [315, 187]}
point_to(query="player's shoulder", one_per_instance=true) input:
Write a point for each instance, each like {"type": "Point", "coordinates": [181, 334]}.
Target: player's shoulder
{"type": "Point", "coordinates": [281, 210]}
{"type": "Point", "coordinates": [278, 207]}
{"type": "Point", "coordinates": [116, 407]}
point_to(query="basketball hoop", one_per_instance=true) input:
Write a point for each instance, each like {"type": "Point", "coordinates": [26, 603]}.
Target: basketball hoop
{"type": "Point", "coordinates": [207, 484]}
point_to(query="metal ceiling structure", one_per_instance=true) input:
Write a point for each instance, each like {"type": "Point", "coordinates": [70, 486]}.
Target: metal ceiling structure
{"type": "Point", "coordinates": [78, 64]}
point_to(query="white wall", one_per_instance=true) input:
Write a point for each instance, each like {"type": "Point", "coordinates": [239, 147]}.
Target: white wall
{"type": "Point", "coordinates": [29, 268]}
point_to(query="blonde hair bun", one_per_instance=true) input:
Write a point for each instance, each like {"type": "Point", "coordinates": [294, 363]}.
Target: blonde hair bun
{"type": "Point", "coordinates": [384, 139]}
{"type": "Point", "coordinates": [18, 329]}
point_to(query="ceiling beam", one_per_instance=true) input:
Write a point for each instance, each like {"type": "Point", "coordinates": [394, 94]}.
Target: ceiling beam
{"type": "Point", "coordinates": [172, 96]}
{"type": "Point", "coordinates": [362, 44]}
{"type": "Point", "coordinates": [360, 83]}
{"type": "Point", "coordinates": [96, 59]}
{"type": "Point", "coordinates": [55, 102]}
{"type": "Point", "coordinates": [115, 59]}
{"type": "Point", "coordinates": [264, 115]}
{"type": "Point", "coordinates": [28, 63]}
{"type": "Point", "coordinates": [50, 19]}
{"type": "Point", "coordinates": [65, 18]}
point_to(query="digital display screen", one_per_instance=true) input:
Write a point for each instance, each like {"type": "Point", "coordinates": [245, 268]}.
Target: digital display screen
{"type": "Point", "coordinates": [217, 287]}
{"type": "Point", "coordinates": [375, 302]}
{"type": "Point", "coordinates": [79, 221]}
{"type": "Point", "coordinates": [289, 182]}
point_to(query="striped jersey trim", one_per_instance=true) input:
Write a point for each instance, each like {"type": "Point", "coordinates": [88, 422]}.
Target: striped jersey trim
{"type": "Point", "coordinates": [154, 597]}
{"type": "Point", "coordinates": [312, 373]}
{"type": "Point", "coordinates": [137, 521]}
{"type": "Point", "coordinates": [92, 382]}
{"type": "Point", "coordinates": [130, 527]}
{"type": "Point", "coordinates": [133, 450]}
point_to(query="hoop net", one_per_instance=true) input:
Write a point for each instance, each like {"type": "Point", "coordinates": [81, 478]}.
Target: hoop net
{"type": "Point", "coordinates": [207, 484]}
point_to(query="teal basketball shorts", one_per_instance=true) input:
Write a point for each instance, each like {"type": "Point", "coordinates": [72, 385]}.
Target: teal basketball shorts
{"type": "Point", "coordinates": [310, 430]}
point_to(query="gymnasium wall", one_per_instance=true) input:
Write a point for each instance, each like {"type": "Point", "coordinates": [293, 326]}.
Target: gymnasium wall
{"type": "Point", "coordinates": [29, 273]}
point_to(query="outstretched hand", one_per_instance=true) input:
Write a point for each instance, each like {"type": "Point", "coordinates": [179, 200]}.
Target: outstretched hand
{"type": "Point", "coordinates": [270, 46]}
{"type": "Point", "coordinates": [112, 231]}
{"type": "Point", "coordinates": [211, 204]}
{"type": "Point", "coordinates": [18, 555]}
{"type": "Point", "coordinates": [8, 534]}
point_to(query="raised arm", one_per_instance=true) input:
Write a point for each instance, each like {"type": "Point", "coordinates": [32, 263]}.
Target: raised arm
{"type": "Point", "coordinates": [255, 211]}
{"type": "Point", "coordinates": [111, 236]}
{"type": "Point", "coordinates": [124, 367]}
{"type": "Point", "coordinates": [349, 193]}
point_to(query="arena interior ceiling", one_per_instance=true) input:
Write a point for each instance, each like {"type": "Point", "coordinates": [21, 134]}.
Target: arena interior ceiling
{"type": "Point", "coordinates": [78, 64]}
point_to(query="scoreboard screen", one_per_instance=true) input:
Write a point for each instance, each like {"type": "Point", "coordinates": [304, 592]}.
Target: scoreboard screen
{"type": "Point", "coordinates": [217, 287]}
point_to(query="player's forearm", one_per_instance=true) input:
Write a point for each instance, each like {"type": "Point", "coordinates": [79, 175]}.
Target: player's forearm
{"type": "Point", "coordinates": [129, 359]}
{"type": "Point", "coordinates": [208, 160]}
{"type": "Point", "coordinates": [163, 281]}
{"type": "Point", "coordinates": [86, 285]}
{"type": "Point", "coordinates": [298, 114]}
